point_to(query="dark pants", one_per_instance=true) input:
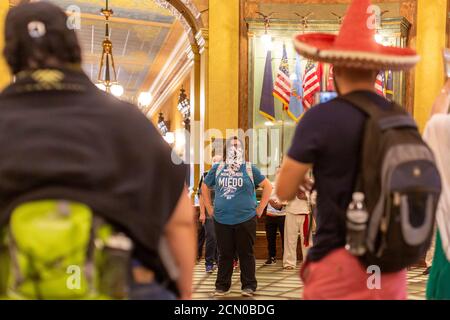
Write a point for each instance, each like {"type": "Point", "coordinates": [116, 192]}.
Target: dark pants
{"type": "Point", "coordinates": [211, 243]}
{"type": "Point", "coordinates": [241, 238]}
{"type": "Point", "coordinates": [200, 239]}
{"type": "Point", "coordinates": [274, 224]}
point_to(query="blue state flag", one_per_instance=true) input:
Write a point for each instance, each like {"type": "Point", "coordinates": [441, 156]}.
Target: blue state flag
{"type": "Point", "coordinates": [267, 104]}
{"type": "Point", "coordinates": [296, 110]}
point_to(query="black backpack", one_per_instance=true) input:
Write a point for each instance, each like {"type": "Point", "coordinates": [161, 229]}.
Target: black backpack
{"type": "Point", "coordinates": [401, 183]}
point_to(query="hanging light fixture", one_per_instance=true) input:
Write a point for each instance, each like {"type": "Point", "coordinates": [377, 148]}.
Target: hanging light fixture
{"type": "Point", "coordinates": [184, 105]}
{"type": "Point", "coordinates": [107, 76]}
{"type": "Point", "coordinates": [162, 125]}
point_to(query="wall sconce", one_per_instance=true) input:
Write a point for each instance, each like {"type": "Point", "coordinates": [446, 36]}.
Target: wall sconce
{"type": "Point", "coordinates": [184, 105]}
{"type": "Point", "coordinates": [162, 125]}
{"type": "Point", "coordinates": [170, 138]}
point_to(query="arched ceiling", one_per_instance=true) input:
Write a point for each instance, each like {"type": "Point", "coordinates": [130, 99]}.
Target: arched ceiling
{"type": "Point", "coordinates": [146, 10]}
{"type": "Point", "coordinates": [144, 35]}
{"type": "Point", "coordinates": [139, 31]}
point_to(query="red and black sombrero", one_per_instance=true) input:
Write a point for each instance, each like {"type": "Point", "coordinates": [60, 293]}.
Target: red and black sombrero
{"type": "Point", "coordinates": [355, 45]}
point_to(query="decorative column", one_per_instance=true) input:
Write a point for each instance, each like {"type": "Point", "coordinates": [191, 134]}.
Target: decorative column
{"type": "Point", "coordinates": [431, 39]}
{"type": "Point", "coordinates": [4, 71]}
{"type": "Point", "coordinates": [200, 113]}
{"type": "Point", "coordinates": [223, 104]}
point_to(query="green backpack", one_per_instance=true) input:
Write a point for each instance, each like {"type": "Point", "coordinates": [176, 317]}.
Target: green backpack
{"type": "Point", "coordinates": [59, 250]}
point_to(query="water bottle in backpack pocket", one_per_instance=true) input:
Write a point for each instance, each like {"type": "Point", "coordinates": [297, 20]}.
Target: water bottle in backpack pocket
{"type": "Point", "coordinates": [357, 217]}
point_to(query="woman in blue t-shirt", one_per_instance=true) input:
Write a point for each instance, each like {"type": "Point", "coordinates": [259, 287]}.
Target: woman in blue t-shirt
{"type": "Point", "coordinates": [235, 210]}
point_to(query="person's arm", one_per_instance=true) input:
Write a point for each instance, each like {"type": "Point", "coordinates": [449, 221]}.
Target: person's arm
{"type": "Point", "coordinates": [267, 191]}
{"type": "Point", "coordinates": [442, 102]}
{"type": "Point", "coordinates": [181, 236]}
{"type": "Point", "coordinates": [202, 217]}
{"type": "Point", "coordinates": [209, 182]}
{"type": "Point", "coordinates": [206, 195]}
{"type": "Point", "coordinates": [292, 176]}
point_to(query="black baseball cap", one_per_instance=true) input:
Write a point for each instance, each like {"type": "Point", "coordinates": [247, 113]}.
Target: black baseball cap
{"type": "Point", "coordinates": [39, 28]}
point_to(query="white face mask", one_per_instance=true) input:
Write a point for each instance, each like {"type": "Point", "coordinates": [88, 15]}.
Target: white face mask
{"type": "Point", "coordinates": [235, 158]}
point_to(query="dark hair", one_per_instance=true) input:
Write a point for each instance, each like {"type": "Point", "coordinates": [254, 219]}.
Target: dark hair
{"type": "Point", "coordinates": [59, 44]}
{"type": "Point", "coordinates": [229, 140]}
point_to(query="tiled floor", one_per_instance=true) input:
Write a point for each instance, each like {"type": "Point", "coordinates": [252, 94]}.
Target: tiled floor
{"type": "Point", "coordinates": [275, 283]}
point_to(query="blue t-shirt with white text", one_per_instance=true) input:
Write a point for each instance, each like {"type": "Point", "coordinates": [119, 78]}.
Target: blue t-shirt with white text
{"type": "Point", "coordinates": [234, 200]}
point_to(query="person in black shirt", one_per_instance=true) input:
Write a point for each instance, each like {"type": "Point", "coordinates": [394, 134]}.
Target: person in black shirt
{"type": "Point", "coordinates": [62, 138]}
{"type": "Point", "coordinates": [328, 140]}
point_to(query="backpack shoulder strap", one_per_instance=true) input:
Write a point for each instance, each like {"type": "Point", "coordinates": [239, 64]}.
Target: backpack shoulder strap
{"type": "Point", "coordinates": [249, 169]}
{"type": "Point", "coordinates": [362, 102]}
{"type": "Point", "coordinates": [392, 118]}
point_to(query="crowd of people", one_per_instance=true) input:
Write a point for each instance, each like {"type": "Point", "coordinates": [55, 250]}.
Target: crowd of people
{"type": "Point", "coordinates": [335, 154]}
{"type": "Point", "coordinates": [77, 161]}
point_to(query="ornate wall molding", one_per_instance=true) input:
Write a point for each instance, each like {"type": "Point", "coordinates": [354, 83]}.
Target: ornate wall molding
{"type": "Point", "coordinates": [202, 38]}
{"type": "Point", "coordinates": [189, 16]}
{"type": "Point", "coordinates": [177, 66]}
{"type": "Point", "coordinates": [177, 14]}
{"type": "Point", "coordinates": [191, 6]}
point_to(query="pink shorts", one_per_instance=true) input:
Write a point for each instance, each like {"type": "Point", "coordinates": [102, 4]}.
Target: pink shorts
{"type": "Point", "coordinates": [340, 276]}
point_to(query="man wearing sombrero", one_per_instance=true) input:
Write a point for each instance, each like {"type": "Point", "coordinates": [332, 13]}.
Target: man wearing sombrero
{"type": "Point", "coordinates": [328, 139]}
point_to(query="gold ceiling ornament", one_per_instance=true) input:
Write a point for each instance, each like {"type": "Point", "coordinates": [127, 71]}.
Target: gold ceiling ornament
{"type": "Point", "coordinates": [304, 20]}
{"type": "Point", "coordinates": [107, 76]}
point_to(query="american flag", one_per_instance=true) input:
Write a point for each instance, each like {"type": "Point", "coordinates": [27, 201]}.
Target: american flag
{"type": "Point", "coordinates": [311, 84]}
{"type": "Point", "coordinates": [282, 88]}
{"type": "Point", "coordinates": [380, 84]}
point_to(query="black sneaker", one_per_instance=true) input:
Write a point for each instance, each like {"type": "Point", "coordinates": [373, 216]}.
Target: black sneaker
{"type": "Point", "coordinates": [271, 261]}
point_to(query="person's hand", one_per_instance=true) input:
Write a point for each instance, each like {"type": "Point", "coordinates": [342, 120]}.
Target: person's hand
{"type": "Point", "coordinates": [202, 218]}
{"type": "Point", "coordinates": [301, 195]}
{"type": "Point", "coordinates": [275, 204]}
{"type": "Point", "coordinates": [211, 211]}
{"type": "Point", "coordinates": [259, 211]}
{"type": "Point", "coordinates": [307, 186]}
